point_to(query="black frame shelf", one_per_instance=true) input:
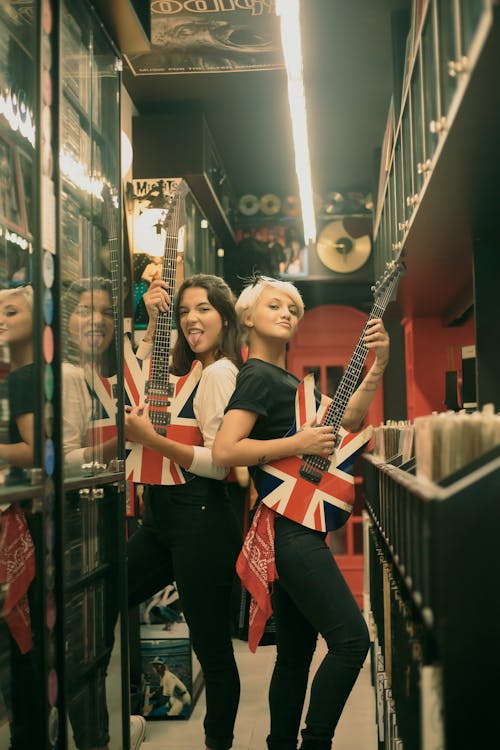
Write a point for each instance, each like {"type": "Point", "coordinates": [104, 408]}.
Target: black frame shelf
{"type": "Point", "coordinates": [450, 185]}
{"type": "Point", "coordinates": [441, 543]}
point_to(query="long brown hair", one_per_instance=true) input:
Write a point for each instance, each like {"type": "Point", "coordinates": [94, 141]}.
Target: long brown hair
{"type": "Point", "coordinates": [222, 299]}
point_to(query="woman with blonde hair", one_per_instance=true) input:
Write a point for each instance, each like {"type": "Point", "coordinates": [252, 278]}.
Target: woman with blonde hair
{"type": "Point", "coordinates": [310, 596]}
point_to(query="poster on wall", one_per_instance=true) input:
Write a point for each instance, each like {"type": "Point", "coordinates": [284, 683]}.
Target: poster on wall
{"type": "Point", "coordinates": [275, 250]}
{"type": "Point", "coordinates": [189, 36]}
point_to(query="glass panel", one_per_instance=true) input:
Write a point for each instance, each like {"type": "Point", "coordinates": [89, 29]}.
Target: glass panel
{"type": "Point", "coordinates": [17, 178]}
{"type": "Point", "coordinates": [217, 176]}
{"type": "Point", "coordinates": [407, 159]}
{"type": "Point", "coordinates": [22, 718]}
{"type": "Point", "coordinates": [90, 271]}
{"type": "Point", "coordinates": [90, 230]}
{"type": "Point", "coordinates": [388, 218]}
{"type": "Point", "coordinates": [447, 51]}
{"type": "Point", "coordinates": [396, 196]}
{"type": "Point", "coordinates": [400, 192]}
{"type": "Point", "coordinates": [417, 125]}
{"type": "Point", "coordinates": [386, 245]}
{"type": "Point", "coordinates": [91, 620]}
{"type": "Point", "coordinates": [429, 67]}
{"type": "Point", "coordinates": [470, 15]}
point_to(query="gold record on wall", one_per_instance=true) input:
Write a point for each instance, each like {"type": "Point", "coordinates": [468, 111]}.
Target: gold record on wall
{"type": "Point", "coordinates": [270, 204]}
{"type": "Point", "coordinates": [341, 249]}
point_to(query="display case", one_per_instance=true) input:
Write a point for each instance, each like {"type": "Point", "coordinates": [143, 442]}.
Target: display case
{"type": "Point", "coordinates": [90, 279]}
{"type": "Point", "coordinates": [63, 671]}
{"type": "Point", "coordinates": [434, 589]}
{"type": "Point", "coordinates": [447, 173]}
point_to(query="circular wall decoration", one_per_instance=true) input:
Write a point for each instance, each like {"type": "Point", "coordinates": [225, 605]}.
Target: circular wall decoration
{"type": "Point", "coordinates": [341, 251]}
{"type": "Point", "coordinates": [270, 204]}
{"type": "Point", "coordinates": [291, 205]}
{"type": "Point", "coordinates": [248, 205]}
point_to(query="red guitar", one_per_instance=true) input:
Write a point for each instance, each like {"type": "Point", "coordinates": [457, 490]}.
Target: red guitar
{"type": "Point", "coordinates": [170, 398]}
{"type": "Point", "coordinates": [318, 491]}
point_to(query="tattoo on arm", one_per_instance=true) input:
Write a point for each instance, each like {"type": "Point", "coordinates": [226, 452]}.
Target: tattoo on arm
{"type": "Point", "coordinates": [368, 386]}
{"type": "Point", "coordinates": [261, 460]}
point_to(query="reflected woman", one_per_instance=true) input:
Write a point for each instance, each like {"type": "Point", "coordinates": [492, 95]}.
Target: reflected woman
{"type": "Point", "coordinates": [16, 332]}
{"type": "Point", "coordinates": [17, 553]}
{"type": "Point", "coordinates": [88, 374]}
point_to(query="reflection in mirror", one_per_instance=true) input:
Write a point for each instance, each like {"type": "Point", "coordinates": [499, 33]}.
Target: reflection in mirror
{"type": "Point", "coordinates": [16, 338]}
{"type": "Point", "coordinates": [92, 624]}
{"type": "Point", "coordinates": [89, 376]}
{"type": "Point", "coordinates": [17, 553]}
{"type": "Point", "coordinates": [22, 713]}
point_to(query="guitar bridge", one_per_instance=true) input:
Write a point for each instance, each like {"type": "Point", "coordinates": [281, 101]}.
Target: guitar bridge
{"type": "Point", "coordinates": [310, 474]}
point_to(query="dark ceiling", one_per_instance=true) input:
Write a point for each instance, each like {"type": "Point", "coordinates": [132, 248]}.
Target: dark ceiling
{"type": "Point", "coordinates": [348, 84]}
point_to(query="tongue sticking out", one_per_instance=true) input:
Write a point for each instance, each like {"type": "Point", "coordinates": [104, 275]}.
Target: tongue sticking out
{"type": "Point", "coordinates": [193, 338]}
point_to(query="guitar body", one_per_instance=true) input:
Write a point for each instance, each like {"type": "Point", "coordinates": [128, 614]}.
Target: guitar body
{"type": "Point", "coordinates": [142, 464]}
{"type": "Point", "coordinates": [317, 491]}
{"type": "Point", "coordinates": [326, 503]}
{"type": "Point", "coordinates": [103, 421]}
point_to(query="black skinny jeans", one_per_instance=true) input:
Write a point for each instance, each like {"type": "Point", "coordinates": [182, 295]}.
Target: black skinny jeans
{"type": "Point", "coordinates": [311, 597]}
{"type": "Point", "coordinates": [190, 534]}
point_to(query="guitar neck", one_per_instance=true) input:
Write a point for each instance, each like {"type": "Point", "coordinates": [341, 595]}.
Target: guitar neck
{"type": "Point", "coordinates": [159, 386]}
{"type": "Point", "coordinates": [160, 359]}
{"type": "Point", "coordinates": [350, 378]}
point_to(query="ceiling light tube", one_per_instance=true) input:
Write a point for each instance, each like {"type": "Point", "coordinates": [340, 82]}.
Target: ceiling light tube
{"type": "Point", "coordinates": [289, 13]}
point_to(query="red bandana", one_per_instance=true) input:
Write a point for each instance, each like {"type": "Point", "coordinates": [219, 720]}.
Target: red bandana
{"type": "Point", "coordinates": [17, 570]}
{"type": "Point", "coordinates": [257, 569]}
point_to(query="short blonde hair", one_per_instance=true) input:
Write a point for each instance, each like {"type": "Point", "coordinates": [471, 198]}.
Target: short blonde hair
{"type": "Point", "coordinates": [25, 292]}
{"type": "Point", "coordinates": [248, 298]}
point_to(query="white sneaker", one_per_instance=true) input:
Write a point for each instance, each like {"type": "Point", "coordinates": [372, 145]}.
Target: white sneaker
{"type": "Point", "coordinates": [137, 731]}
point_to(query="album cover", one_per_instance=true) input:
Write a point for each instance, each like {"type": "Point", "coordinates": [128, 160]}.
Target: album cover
{"type": "Point", "coordinates": [167, 677]}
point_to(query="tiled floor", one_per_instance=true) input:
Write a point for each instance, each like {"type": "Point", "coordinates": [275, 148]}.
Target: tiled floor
{"type": "Point", "coordinates": [356, 730]}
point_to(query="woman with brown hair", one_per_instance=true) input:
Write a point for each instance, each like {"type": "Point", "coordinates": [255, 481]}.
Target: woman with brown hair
{"type": "Point", "coordinates": [189, 531]}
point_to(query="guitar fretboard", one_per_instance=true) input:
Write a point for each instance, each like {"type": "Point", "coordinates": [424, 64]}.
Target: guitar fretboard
{"type": "Point", "coordinates": [350, 378]}
{"type": "Point", "coordinates": [159, 391]}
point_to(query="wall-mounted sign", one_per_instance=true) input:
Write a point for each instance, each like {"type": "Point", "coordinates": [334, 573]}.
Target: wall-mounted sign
{"type": "Point", "coordinates": [189, 36]}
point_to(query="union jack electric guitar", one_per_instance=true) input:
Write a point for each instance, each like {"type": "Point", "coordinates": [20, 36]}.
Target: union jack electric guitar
{"type": "Point", "coordinates": [318, 491]}
{"type": "Point", "coordinates": [102, 388]}
{"type": "Point", "coordinates": [170, 398]}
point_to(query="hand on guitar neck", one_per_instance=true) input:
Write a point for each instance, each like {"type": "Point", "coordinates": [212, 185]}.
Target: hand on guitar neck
{"type": "Point", "coordinates": [376, 339]}
{"type": "Point", "coordinates": [157, 300]}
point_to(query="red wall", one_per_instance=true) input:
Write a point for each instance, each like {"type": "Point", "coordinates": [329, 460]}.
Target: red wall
{"type": "Point", "coordinates": [431, 349]}
{"type": "Point", "coordinates": [329, 333]}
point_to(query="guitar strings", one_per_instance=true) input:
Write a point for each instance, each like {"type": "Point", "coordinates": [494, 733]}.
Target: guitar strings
{"type": "Point", "coordinates": [159, 384]}
{"type": "Point", "coordinates": [350, 378]}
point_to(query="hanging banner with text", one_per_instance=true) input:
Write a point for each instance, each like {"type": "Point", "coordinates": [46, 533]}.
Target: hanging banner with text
{"type": "Point", "coordinates": [210, 36]}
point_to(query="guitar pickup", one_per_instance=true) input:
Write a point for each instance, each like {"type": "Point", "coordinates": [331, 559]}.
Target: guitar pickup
{"type": "Point", "coordinates": [310, 474]}
{"type": "Point", "coordinates": [161, 392]}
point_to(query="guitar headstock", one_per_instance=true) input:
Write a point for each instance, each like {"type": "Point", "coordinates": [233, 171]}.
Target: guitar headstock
{"type": "Point", "coordinates": [387, 284]}
{"type": "Point", "coordinates": [175, 214]}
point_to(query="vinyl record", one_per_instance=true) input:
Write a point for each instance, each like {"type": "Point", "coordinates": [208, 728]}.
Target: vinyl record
{"type": "Point", "coordinates": [270, 204]}
{"type": "Point", "coordinates": [248, 205]}
{"type": "Point", "coordinates": [339, 251]}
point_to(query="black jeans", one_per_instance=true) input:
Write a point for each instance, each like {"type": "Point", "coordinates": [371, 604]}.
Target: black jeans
{"type": "Point", "coordinates": [190, 534]}
{"type": "Point", "coordinates": [311, 597]}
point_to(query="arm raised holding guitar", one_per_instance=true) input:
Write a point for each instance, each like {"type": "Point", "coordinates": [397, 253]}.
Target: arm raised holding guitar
{"type": "Point", "coordinates": [216, 383]}
{"type": "Point", "coordinates": [189, 533]}
{"type": "Point", "coordinates": [301, 473]}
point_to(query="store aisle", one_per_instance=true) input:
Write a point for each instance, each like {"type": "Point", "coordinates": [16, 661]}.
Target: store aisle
{"type": "Point", "coordinates": [356, 730]}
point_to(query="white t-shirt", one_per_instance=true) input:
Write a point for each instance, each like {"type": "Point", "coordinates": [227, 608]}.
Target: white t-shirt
{"type": "Point", "coordinates": [215, 388]}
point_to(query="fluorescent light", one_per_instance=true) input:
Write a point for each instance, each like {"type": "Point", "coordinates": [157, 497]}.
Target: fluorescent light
{"type": "Point", "coordinates": [288, 10]}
